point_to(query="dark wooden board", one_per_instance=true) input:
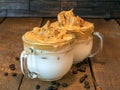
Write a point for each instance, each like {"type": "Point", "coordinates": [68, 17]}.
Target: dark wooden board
{"type": "Point", "coordinates": [11, 46]}
{"type": "Point", "coordinates": [16, 5]}
{"type": "Point", "coordinates": [50, 8]}
{"type": "Point", "coordinates": [45, 4]}
{"type": "Point", "coordinates": [9, 1]}
{"type": "Point", "coordinates": [107, 64]}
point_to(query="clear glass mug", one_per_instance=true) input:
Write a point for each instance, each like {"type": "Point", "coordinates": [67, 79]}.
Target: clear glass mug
{"type": "Point", "coordinates": [47, 65]}
{"type": "Point", "coordinates": [82, 48]}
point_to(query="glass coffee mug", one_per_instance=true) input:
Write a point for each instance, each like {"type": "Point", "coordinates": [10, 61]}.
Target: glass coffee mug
{"type": "Point", "coordinates": [48, 62]}
{"type": "Point", "coordinates": [83, 48]}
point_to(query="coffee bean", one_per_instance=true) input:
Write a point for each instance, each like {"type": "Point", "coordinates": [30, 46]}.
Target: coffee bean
{"type": "Point", "coordinates": [78, 64]}
{"type": "Point", "coordinates": [17, 58]}
{"type": "Point", "coordinates": [86, 82]}
{"type": "Point", "coordinates": [44, 57]}
{"type": "Point", "coordinates": [37, 87]}
{"type": "Point", "coordinates": [58, 58]}
{"type": "Point", "coordinates": [82, 69]}
{"type": "Point", "coordinates": [14, 74]}
{"type": "Point", "coordinates": [53, 82]}
{"type": "Point", "coordinates": [12, 66]}
{"type": "Point", "coordinates": [52, 88]}
{"type": "Point", "coordinates": [82, 79]}
{"type": "Point", "coordinates": [87, 86]}
{"type": "Point", "coordinates": [74, 71]}
{"type": "Point", "coordinates": [78, 69]}
{"type": "Point", "coordinates": [5, 73]}
{"type": "Point", "coordinates": [57, 84]}
{"type": "Point", "coordinates": [85, 75]}
{"type": "Point", "coordinates": [64, 84]}
{"type": "Point", "coordinates": [85, 61]}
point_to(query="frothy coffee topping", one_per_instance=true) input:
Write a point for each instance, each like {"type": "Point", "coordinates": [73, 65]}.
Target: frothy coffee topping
{"type": "Point", "coordinates": [67, 27]}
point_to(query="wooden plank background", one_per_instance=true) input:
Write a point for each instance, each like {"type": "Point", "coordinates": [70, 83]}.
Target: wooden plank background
{"type": "Point", "coordinates": [11, 30]}
{"type": "Point", "coordinates": [50, 8]}
{"type": "Point", "coordinates": [107, 64]}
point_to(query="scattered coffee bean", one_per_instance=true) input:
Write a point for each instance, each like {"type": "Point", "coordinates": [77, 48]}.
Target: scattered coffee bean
{"type": "Point", "coordinates": [52, 88]}
{"type": "Point", "coordinates": [14, 74]}
{"type": "Point", "coordinates": [82, 69]}
{"type": "Point", "coordinates": [12, 66]}
{"type": "Point", "coordinates": [78, 64]}
{"type": "Point", "coordinates": [57, 84]}
{"type": "Point", "coordinates": [64, 84]}
{"type": "Point", "coordinates": [17, 58]}
{"type": "Point", "coordinates": [5, 73]}
{"type": "Point", "coordinates": [87, 86]}
{"type": "Point", "coordinates": [58, 58]}
{"type": "Point", "coordinates": [44, 57]}
{"type": "Point", "coordinates": [37, 87]}
{"type": "Point", "coordinates": [85, 61]}
{"type": "Point", "coordinates": [86, 82]}
{"type": "Point", "coordinates": [82, 79]}
{"type": "Point", "coordinates": [78, 69]}
{"type": "Point", "coordinates": [53, 82]}
{"type": "Point", "coordinates": [74, 71]}
{"type": "Point", "coordinates": [85, 75]}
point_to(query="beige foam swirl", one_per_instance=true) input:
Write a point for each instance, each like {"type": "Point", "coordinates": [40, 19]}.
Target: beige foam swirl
{"type": "Point", "coordinates": [66, 28]}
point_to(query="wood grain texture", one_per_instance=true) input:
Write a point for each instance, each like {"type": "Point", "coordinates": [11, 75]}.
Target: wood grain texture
{"type": "Point", "coordinates": [68, 4]}
{"type": "Point", "coordinates": [9, 1]}
{"type": "Point", "coordinates": [106, 65]}
{"type": "Point", "coordinates": [1, 20]}
{"type": "Point", "coordinates": [3, 13]}
{"type": "Point", "coordinates": [50, 8]}
{"type": "Point", "coordinates": [118, 21]}
{"type": "Point", "coordinates": [45, 7]}
{"type": "Point", "coordinates": [16, 5]}
{"type": "Point", "coordinates": [11, 46]}
{"type": "Point", "coordinates": [44, 4]}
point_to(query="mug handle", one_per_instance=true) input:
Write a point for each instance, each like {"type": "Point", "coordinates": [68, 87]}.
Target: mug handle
{"type": "Point", "coordinates": [100, 37]}
{"type": "Point", "coordinates": [24, 66]}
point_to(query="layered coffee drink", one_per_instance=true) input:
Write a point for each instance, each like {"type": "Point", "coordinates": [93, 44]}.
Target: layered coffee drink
{"type": "Point", "coordinates": [83, 32]}
{"type": "Point", "coordinates": [49, 50]}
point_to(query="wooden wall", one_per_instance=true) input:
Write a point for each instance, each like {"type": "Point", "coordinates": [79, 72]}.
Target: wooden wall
{"type": "Point", "coordinates": [50, 8]}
